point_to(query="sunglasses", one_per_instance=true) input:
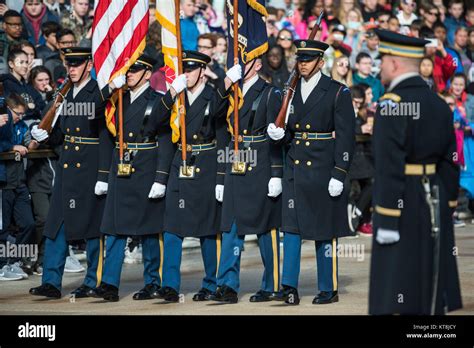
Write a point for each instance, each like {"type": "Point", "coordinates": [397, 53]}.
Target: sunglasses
{"type": "Point", "coordinates": [342, 64]}
{"type": "Point", "coordinates": [287, 38]}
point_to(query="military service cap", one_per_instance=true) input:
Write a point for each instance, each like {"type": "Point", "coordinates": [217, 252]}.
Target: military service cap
{"type": "Point", "coordinates": [308, 50]}
{"type": "Point", "coordinates": [400, 45]}
{"type": "Point", "coordinates": [76, 56]}
{"type": "Point", "coordinates": [144, 62]}
{"type": "Point", "coordinates": [193, 60]}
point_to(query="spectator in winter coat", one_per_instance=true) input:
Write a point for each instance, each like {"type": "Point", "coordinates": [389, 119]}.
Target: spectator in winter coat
{"type": "Point", "coordinates": [15, 83]}
{"type": "Point", "coordinates": [34, 14]}
{"type": "Point", "coordinates": [454, 20]}
{"type": "Point", "coordinates": [444, 66]}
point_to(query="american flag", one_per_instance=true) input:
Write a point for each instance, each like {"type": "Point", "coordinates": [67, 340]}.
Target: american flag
{"type": "Point", "coordinates": [118, 39]}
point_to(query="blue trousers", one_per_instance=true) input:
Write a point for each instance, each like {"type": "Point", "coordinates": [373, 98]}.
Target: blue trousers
{"type": "Point", "coordinates": [229, 265]}
{"type": "Point", "coordinates": [173, 247]}
{"type": "Point", "coordinates": [55, 253]}
{"type": "Point", "coordinates": [115, 254]}
{"type": "Point", "coordinates": [326, 256]}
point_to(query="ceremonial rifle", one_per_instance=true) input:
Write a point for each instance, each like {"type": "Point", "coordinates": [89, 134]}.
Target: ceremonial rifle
{"type": "Point", "coordinates": [290, 85]}
{"type": "Point", "coordinates": [48, 118]}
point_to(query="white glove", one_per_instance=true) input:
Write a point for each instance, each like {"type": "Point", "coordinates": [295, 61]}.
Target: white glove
{"type": "Point", "coordinates": [101, 188]}
{"type": "Point", "coordinates": [39, 134]}
{"type": "Point", "coordinates": [119, 81]}
{"type": "Point", "coordinates": [335, 187]}
{"type": "Point", "coordinates": [235, 73]}
{"type": "Point", "coordinates": [179, 84]}
{"type": "Point", "coordinates": [220, 193]}
{"type": "Point", "coordinates": [274, 187]}
{"type": "Point", "coordinates": [274, 132]}
{"type": "Point", "coordinates": [387, 236]}
{"type": "Point", "coordinates": [157, 191]}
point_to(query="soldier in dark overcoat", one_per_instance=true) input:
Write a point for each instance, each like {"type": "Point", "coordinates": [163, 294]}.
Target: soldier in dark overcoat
{"type": "Point", "coordinates": [320, 133]}
{"type": "Point", "coordinates": [413, 266]}
{"type": "Point", "coordinates": [136, 185]}
{"type": "Point", "coordinates": [251, 191]}
{"type": "Point", "coordinates": [76, 210]}
{"type": "Point", "coordinates": [191, 206]}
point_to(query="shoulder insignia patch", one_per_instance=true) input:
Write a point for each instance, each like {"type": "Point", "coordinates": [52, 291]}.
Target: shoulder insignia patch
{"type": "Point", "coordinates": [391, 96]}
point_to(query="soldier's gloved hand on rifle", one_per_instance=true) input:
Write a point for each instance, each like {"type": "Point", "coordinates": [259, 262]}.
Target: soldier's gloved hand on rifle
{"type": "Point", "coordinates": [39, 134]}
{"type": "Point", "coordinates": [274, 132]}
{"type": "Point", "coordinates": [274, 187]}
{"type": "Point", "coordinates": [219, 193]}
{"type": "Point", "coordinates": [101, 188]}
{"type": "Point", "coordinates": [118, 82]}
{"type": "Point", "coordinates": [335, 187]}
{"type": "Point", "coordinates": [180, 83]}
{"type": "Point", "coordinates": [387, 236]}
{"type": "Point", "coordinates": [235, 73]}
{"type": "Point", "coordinates": [157, 191]}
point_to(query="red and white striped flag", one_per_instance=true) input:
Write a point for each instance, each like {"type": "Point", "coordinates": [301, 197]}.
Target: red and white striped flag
{"type": "Point", "coordinates": [118, 39]}
{"type": "Point", "coordinates": [165, 14]}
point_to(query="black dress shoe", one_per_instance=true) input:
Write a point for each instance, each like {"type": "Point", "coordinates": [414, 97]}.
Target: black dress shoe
{"type": "Point", "coordinates": [325, 297]}
{"type": "Point", "coordinates": [97, 292]}
{"type": "Point", "coordinates": [203, 295]}
{"type": "Point", "coordinates": [104, 291]}
{"type": "Point", "coordinates": [46, 290]}
{"type": "Point", "coordinates": [261, 296]}
{"type": "Point", "coordinates": [81, 292]}
{"type": "Point", "coordinates": [168, 294]}
{"type": "Point", "coordinates": [225, 294]}
{"type": "Point", "coordinates": [288, 294]}
{"type": "Point", "coordinates": [146, 293]}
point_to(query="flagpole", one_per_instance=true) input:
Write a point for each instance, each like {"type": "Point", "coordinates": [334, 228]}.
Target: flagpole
{"type": "Point", "coordinates": [181, 103]}
{"type": "Point", "coordinates": [236, 85]}
{"type": "Point", "coordinates": [124, 169]}
{"type": "Point", "coordinates": [120, 116]}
